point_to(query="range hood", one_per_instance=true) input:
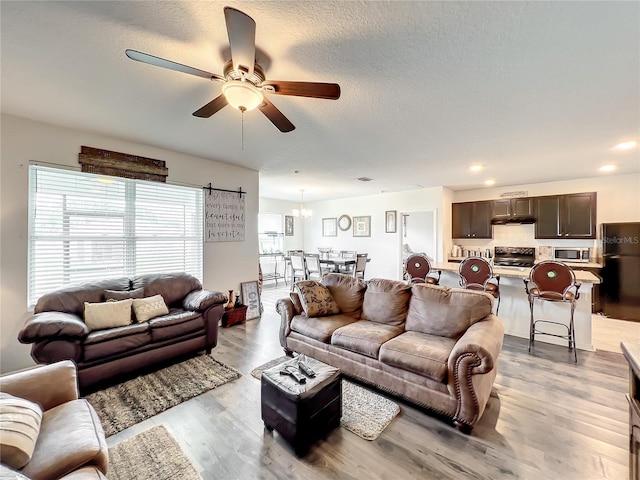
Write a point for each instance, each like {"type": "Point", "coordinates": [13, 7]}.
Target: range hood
{"type": "Point", "coordinates": [512, 220]}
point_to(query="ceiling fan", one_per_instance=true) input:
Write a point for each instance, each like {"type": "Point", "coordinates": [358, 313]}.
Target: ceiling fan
{"type": "Point", "coordinates": [244, 82]}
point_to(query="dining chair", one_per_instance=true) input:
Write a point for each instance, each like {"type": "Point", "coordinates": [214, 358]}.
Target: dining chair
{"type": "Point", "coordinates": [288, 270]}
{"type": "Point", "coordinates": [298, 268]}
{"type": "Point", "coordinates": [314, 269]}
{"type": "Point", "coordinates": [553, 281]}
{"type": "Point", "coordinates": [361, 264]}
{"type": "Point", "coordinates": [348, 255]}
{"type": "Point", "coordinates": [476, 274]}
{"type": "Point", "coordinates": [417, 268]}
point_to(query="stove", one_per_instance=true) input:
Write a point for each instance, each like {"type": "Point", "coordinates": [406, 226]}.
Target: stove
{"type": "Point", "coordinates": [514, 256]}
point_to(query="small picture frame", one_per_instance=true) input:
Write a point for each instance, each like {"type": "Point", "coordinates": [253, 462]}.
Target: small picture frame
{"type": "Point", "coordinates": [251, 298]}
{"type": "Point", "coordinates": [391, 221]}
{"type": "Point", "coordinates": [330, 227]}
{"type": "Point", "coordinates": [288, 225]}
{"type": "Point", "coordinates": [362, 226]}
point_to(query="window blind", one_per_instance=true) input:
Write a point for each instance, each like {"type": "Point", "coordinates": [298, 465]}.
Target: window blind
{"type": "Point", "coordinates": [84, 227]}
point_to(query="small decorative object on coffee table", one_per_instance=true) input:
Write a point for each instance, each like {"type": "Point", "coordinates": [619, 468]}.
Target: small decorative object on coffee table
{"type": "Point", "coordinates": [301, 411]}
{"type": "Point", "coordinates": [237, 303]}
{"type": "Point", "coordinates": [234, 315]}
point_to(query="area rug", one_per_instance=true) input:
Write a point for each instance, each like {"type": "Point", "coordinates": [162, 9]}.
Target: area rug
{"type": "Point", "coordinates": [142, 397]}
{"type": "Point", "coordinates": [152, 454]}
{"type": "Point", "coordinates": [364, 412]}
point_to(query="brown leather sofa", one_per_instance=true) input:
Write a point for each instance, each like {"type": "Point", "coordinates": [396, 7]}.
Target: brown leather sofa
{"type": "Point", "coordinates": [434, 346]}
{"type": "Point", "coordinates": [58, 331]}
{"type": "Point", "coordinates": [70, 444]}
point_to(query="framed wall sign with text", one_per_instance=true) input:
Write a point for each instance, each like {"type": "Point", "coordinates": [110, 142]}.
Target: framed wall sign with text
{"type": "Point", "coordinates": [251, 298]}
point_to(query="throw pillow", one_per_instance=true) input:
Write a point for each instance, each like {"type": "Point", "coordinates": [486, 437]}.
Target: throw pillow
{"type": "Point", "coordinates": [110, 295]}
{"type": "Point", "coordinates": [19, 428]}
{"type": "Point", "coordinates": [99, 316]}
{"type": "Point", "coordinates": [316, 299]}
{"type": "Point", "coordinates": [150, 307]}
{"type": "Point", "coordinates": [386, 301]}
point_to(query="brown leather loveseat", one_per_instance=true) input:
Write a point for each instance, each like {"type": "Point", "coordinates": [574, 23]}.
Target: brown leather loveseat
{"type": "Point", "coordinates": [68, 443]}
{"type": "Point", "coordinates": [434, 346]}
{"type": "Point", "coordinates": [58, 329]}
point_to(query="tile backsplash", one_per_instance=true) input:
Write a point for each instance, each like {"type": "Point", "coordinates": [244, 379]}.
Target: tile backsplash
{"type": "Point", "coordinates": [523, 236]}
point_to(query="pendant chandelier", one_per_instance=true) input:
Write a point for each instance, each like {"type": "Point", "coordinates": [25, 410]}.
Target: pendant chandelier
{"type": "Point", "coordinates": [302, 212]}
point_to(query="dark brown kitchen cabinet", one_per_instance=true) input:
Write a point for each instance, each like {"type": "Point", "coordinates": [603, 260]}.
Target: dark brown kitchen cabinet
{"type": "Point", "coordinates": [512, 207]}
{"type": "Point", "coordinates": [571, 216]}
{"type": "Point", "coordinates": [471, 220]}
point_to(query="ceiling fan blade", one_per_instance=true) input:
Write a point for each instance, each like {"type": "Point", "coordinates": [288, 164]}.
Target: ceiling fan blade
{"type": "Point", "coordinates": [242, 39]}
{"type": "Point", "coordinates": [329, 91]}
{"type": "Point", "coordinates": [178, 67]}
{"type": "Point", "coordinates": [270, 111]}
{"type": "Point", "coordinates": [212, 107]}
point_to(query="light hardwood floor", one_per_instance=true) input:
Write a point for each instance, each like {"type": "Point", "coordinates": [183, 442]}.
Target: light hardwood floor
{"type": "Point", "coordinates": [547, 419]}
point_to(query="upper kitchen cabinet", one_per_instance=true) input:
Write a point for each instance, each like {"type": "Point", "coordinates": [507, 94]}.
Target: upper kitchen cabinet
{"type": "Point", "coordinates": [512, 209]}
{"type": "Point", "coordinates": [571, 216]}
{"type": "Point", "coordinates": [471, 220]}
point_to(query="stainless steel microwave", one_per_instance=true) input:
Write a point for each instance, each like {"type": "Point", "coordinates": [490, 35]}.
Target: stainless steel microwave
{"type": "Point", "coordinates": [563, 254]}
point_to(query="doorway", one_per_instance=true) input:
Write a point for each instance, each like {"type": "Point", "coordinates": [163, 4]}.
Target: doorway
{"type": "Point", "coordinates": [418, 235]}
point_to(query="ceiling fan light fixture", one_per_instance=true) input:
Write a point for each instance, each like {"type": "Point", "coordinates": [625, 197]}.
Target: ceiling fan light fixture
{"type": "Point", "coordinates": [242, 95]}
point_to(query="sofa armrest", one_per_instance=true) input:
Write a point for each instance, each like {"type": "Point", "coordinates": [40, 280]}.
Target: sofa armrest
{"type": "Point", "coordinates": [285, 308]}
{"type": "Point", "coordinates": [200, 300]}
{"type": "Point", "coordinates": [472, 367]}
{"type": "Point", "coordinates": [48, 385]}
{"type": "Point", "coordinates": [52, 324]}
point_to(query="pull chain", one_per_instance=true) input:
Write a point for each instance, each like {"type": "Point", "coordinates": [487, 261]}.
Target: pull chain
{"type": "Point", "coordinates": [242, 129]}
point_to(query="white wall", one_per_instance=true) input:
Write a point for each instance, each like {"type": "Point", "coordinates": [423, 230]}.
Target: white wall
{"type": "Point", "coordinates": [24, 141]}
{"type": "Point", "coordinates": [618, 200]}
{"type": "Point", "coordinates": [384, 249]}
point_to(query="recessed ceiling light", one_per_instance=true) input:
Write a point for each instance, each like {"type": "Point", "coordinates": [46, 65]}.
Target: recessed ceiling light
{"type": "Point", "coordinates": [626, 145]}
{"type": "Point", "coordinates": [607, 168]}
{"type": "Point", "coordinates": [489, 182]}
{"type": "Point", "coordinates": [364, 179]}
{"type": "Point", "coordinates": [475, 168]}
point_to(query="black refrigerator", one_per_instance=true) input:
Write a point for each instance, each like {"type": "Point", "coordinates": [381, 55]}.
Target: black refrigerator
{"type": "Point", "coordinates": [620, 289]}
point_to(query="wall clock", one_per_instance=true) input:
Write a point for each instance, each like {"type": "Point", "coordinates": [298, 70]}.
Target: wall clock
{"type": "Point", "coordinates": [344, 223]}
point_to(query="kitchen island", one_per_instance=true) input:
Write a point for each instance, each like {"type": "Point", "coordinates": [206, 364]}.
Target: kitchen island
{"type": "Point", "coordinates": [514, 304]}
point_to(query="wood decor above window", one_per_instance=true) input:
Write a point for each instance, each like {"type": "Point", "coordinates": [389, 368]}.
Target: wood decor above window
{"type": "Point", "coordinates": [106, 162]}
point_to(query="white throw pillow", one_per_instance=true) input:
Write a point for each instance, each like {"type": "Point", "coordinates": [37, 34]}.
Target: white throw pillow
{"type": "Point", "coordinates": [150, 307]}
{"type": "Point", "coordinates": [19, 428]}
{"type": "Point", "coordinates": [99, 316]}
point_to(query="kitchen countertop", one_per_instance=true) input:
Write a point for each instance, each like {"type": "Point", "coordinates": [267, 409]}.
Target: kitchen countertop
{"type": "Point", "coordinates": [571, 264]}
{"type": "Point", "coordinates": [517, 272]}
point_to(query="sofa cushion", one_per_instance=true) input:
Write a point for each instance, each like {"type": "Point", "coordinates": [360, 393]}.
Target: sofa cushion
{"type": "Point", "coordinates": [148, 308]}
{"type": "Point", "coordinates": [386, 301]}
{"type": "Point", "coordinates": [445, 311]}
{"type": "Point", "coordinates": [316, 299]}
{"type": "Point", "coordinates": [123, 294]}
{"type": "Point", "coordinates": [364, 337]}
{"type": "Point", "coordinates": [19, 427]}
{"type": "Point", "coordinates": [104, 343]}
{"type": "Point", "coordinates": [71, 299]}
{"type": "Point", "coordinates": [99, 316]}
{"type": "Point", "coordinates": [70, 436]}
{"type": "Point", "coordinates": [420, 353]}
{"type": "Point", "coordinates": [320, 328]}
{"type": "Point", "coordinates": [347, 291]}
{"type": "Point", "coordinates": [173, 287]}
{"type": "Point", "coordinates": [175, 324]}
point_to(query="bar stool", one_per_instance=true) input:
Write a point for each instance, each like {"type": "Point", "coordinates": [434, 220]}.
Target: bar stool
{"type": "Point", "coordinates": [553, 282]}
{"type": "Point", "coordinates": [476, 274]}
{"type": "Point", "coordinates": [417, 268]}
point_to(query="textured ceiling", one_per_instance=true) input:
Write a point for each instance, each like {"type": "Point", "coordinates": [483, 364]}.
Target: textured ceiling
{"type": "Point", "coordinates": [534, 91]}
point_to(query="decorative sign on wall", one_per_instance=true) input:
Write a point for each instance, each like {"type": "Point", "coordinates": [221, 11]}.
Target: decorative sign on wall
{"type": "Point", "coordinates": [224, 215]}
{"type": "Point", "coordinates": [116, 164]}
